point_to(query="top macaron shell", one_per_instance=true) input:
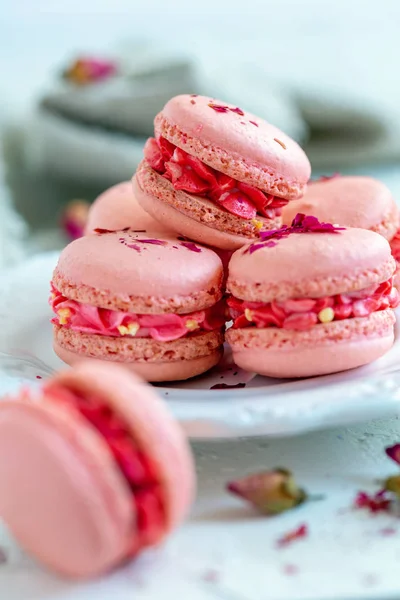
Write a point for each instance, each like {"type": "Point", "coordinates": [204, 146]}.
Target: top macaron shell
{"type": "Point", "coordinates": [352, 201]}
{"type": "Point", "coordinates": [311, 265]}
{"type": "Point", "coordinates": [134, 271]}
{"type": "Point", "coordinates": [236, 143]}
{"type": "Point", "coordinates": [117, 208]}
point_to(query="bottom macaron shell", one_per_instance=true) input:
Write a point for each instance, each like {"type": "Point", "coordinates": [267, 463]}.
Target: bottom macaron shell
{"type": "Point", "coordinates": [326, 348]}
{"type": "Point", "coordinates": [190, 227]}
{"type": "Point", "coordinates": [154, 361]}
{"type": "Point", "coordinates": [60, 494]}
{"type": "Point", "coordinates": [153, 371]}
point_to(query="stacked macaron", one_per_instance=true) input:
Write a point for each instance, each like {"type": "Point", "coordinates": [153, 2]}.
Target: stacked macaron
{"type": "Point", "coordinates": [218, 174]}
{"type": "Point", "coordinates": [353, 202]}
{"type": "Point", "coordinates": [152, 302]}
{"type": "Point", "coordinates": [311, 299]}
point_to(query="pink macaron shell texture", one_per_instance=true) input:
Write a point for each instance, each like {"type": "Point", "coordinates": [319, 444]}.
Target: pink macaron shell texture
{"type": "Point", "coordinates": [152, 427]}
{"type": "Point", "coordinates": [117, 208]}
{"type": "Point", "coordinates": [154, 361]}
{"type": "Point", "coordinates": [186, 225]}
{"type": "Point", "coordinates": [123, 271]}
{"type": "Point", "coordinates": [60, 493]}
{"type": "Point", "coordinates": [241, 145]}
{"type": "Point", "coordinates": [311, 362]}
{"type": "Point", "coordinates": [325, 348]}
{"type": "Point", "coordinates": [352, 201]}
{"type": "Point", "coordinates": [311, 265]}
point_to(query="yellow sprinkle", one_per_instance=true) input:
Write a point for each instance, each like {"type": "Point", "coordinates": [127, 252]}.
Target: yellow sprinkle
{"type": "Point", "coordinates": [131, 329]}
{"type": "Point", "coordinates": [191, 324]}
{"type": "Point", "coordinates": [63, 315]}
{"type": "Point", "coordinates": [248, 314]}
{"type": "Point", "coordinates": [326, 315]}
{"type": "Point", "coordinates": [257, 224]}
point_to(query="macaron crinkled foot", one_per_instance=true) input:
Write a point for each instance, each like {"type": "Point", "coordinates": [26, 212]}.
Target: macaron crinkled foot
{"type": "Point", "coordinates": [219, 174]}
{"type": "Point", "coordinates": [311, 299]}
{"type": "Point", "coordinates": [117, 208]}
{"type": "Point", "coordinates": [152, 303]}
{"type": "Point", "coordinates": [93, 469]}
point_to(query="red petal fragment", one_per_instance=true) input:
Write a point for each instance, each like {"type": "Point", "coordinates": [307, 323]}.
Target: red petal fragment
{"type": "Point", "coordinates": [393, 452]}
{"type": "Point", "coordinates": [237, 204]}
{"type": "Point", "coordinates": [297, 534]}
{"type": "Point", "coordinates": [219, 107]}
{"type": "Point", "coordinates": [153, 155]}
{"type": "Point", "coordinates": [238, 111]}
{"type": "Point", "coordinates": [375, 503]}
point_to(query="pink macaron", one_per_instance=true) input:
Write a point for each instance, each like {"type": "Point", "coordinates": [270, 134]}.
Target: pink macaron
{"type": "Point", "coordinates": [117, 208]}
{"type": "Point", "coordinates": [311, 299]}
{"type": "Point", "coordinates": [351, 201]}
{"type": "Point", "coordinates": [218, 174]}
{"type": "Point", "coordinates": [93, 469]}
{"type": "Point", "coordinates": [151, 303]}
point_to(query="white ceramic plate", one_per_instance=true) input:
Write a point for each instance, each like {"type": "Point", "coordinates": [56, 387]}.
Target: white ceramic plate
{"type": "Point", "coordinates": [261, 406]}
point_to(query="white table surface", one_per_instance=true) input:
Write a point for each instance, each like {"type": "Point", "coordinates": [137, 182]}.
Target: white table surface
{"type": "Point", "coordinates": [227, 552]}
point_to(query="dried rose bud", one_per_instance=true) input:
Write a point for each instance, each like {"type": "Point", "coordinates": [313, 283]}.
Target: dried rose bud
{"type": "Point", "coordinates": [270, 492]}
{"type": "Point", "coordinates": [392, 484]}
{"type": "Point", "coordinates": [393, 452]}
{"type": "Point", "coordinates": [74, 218]}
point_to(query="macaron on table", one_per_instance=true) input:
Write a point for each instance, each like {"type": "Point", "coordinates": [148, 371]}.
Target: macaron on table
{"type": "Point", "coordinates": [149, 340]}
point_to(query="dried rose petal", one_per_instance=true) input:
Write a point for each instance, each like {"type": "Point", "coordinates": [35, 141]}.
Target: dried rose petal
{"type": "Point", "coordinates": [254, 123]}
{"type": "Point", "coordinates": [291, 536]}
{"type": "Point", "coordinates": [153, 241]}
{"type": "Point", "coordinates": [375, 503]}
{"type": "Point", "coordinates": [238, 111]}
{"type": "Point", "coordinates": [134, 247]}
{"type": "Point", "coordinates": [393, 452]}
{"type": "Point", "coordinates": [219, 107]}
{"type": "Point", "coordinates": [270, 492]}
{"type": "Point", "coordinates": [101, 231]}
{"type": "Point", "coordinates": [190, 246]}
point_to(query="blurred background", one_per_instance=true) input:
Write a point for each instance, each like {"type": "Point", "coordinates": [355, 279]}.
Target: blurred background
{"type": "Point", "coordinates": [325, 73]}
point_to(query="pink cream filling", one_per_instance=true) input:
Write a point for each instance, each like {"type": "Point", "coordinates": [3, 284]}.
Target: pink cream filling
{"type": "Point", "coordinates": [191, 175]}
{"type": "Point", "coordinates": [303, 313]}
{"type": "Point", "coordinates": [86, 318]}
